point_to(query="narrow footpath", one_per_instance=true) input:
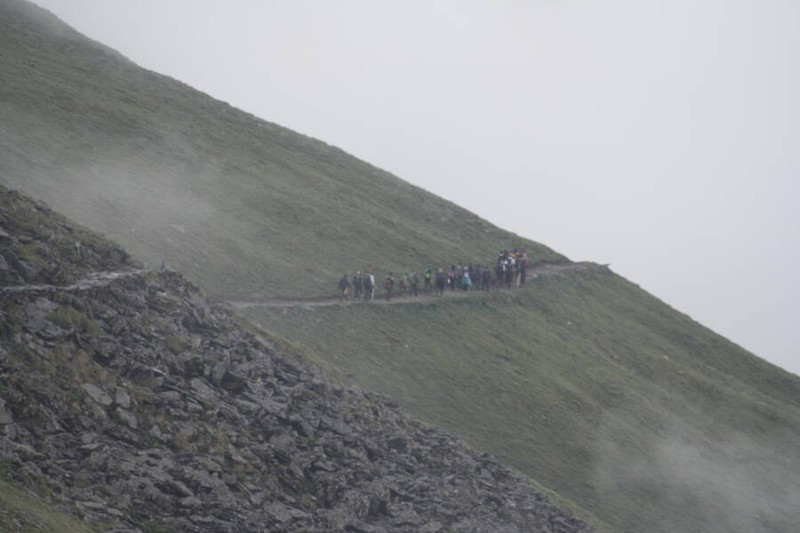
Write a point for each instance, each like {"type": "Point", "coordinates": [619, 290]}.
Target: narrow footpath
{"type": "Point", "coordinates": [539, 270]}
{"type": "Point", "coordinates": [99, 279]}
{"type": "Point", "coordinates": [93, 280]}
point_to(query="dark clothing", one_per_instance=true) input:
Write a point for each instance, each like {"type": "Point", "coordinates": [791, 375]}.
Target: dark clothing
{"type": "Point", "coordinates": [441, 282]}
{"type": "Point", "coordinates": [344, 287]}
{"type": "Point", "coordinates": [388, 285]}
{"type": "Point", "coordinates": [358, 286]}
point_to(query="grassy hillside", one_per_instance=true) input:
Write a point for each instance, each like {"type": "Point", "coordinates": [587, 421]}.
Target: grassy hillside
{"type": "Point", "coordinates": [131, 404]}
{"type": "Point", "coordinates": [592, 386]}
{"type": "Point", "coordinates": [23, 512]}
{"type": "Point", "coordinates": [240, 205]}
{"type": "Point", "coordinates": [585, 382]}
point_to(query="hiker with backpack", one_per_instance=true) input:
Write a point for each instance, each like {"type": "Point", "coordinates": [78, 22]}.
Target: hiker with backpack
{"type": "Point", "coordinates": [486, 280]}
{"type": "Point", "coordinates": [522, 265]}
{"type": "Point", "coordinates": [509, 272]}
{"type": "Point", "coordinates": [428, 276]}
{"type": "Point", "coordinates": [388, 285]}
{"type": "Point", "coordinates": [369, 286]}
{"type": "Point", "coordinates": [475, 276]}
{"type": "Point", "coordinates": [466, 281]}
{"type": "Point", "coordinates": [500, 270]}
{"type": "Point", "coordinates": [405, 284]}
{"type": "Point", "coordinates": [441, 282]}
{"type": "Point", "coordinates": [344, 287]}
{"type": "Point", "coordinates": [414, 281]}
{"type": "Point", "coordinates": [452, 277]}
{"type": "Point", "coordinates": [358, 285]}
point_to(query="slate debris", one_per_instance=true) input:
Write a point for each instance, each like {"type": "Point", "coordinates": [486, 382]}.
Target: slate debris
{"type": "Point", "coordinates": [152, 408]}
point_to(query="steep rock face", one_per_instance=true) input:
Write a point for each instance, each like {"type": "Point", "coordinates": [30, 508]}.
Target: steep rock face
{"type": "Point", "coordinates": [138, 406]}
{"type": "Point", "coordinates": [39, 246]}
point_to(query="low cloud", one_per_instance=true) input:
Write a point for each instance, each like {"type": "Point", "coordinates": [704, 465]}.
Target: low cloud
{"type": "Point", "coordinates": [699, 483]}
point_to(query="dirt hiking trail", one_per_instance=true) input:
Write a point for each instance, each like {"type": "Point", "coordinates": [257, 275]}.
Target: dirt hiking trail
{"type": "Point", "coordinates": [542, 269]}
{"type": "Point", "coordinates": [93, 280]}
{"type": "Point", "coordinates": [99, 279]}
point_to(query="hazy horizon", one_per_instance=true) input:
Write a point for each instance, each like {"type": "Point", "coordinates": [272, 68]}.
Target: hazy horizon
{"type": "Point", "coordinates": [662, 135]}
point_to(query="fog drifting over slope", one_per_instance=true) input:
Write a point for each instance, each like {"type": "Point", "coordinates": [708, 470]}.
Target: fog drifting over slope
{"type": "Point", "coordinates": [730, 481]}
{"type": "Point", "coordinates": [658, 137]}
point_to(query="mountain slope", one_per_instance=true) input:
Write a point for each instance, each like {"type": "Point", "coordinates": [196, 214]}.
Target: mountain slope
{"type": "Point", "coordinates": [240, 205]}
{"type": "Point", "coordinates": [586, 382]}
{"type": "Point", "coordinates": [129, 401]}
{"type": "Point", "coordinates": [592, 386]}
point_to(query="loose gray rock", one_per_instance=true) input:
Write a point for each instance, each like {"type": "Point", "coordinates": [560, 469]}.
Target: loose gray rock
{"type": "Point", "coordinates": [128, 418]}
{"type": "Point", "coordinates": [97, 394]}
{"type": "Point", "coordinates": [5, 416]}
{"type": "Point", "coordinates": [123, 399]}
{"type": "Point", "coordinates": [145, 408]}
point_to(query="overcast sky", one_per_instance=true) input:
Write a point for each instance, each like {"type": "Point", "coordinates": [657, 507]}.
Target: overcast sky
{"type": "Point", "coordinates": [662, 137]}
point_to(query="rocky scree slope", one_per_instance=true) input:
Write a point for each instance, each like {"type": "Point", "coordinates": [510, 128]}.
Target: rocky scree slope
{"type": "Point", "coordinates": [134, 404]}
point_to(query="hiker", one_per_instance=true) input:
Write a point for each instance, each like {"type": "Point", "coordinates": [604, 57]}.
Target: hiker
{"type": "Point", "coordinates": [441, 281]}
{"type": "Point", "coordinates": [517, 272]}
{"type": "Point", "coordinates": [475, 276]}
{"type": "Point", "coordinates": [428, 276]}
{"type": "Point", "coordinates": [388, 285]}
{"type": "Point", "coordinates": [466, 281]}
{"type": "Point", "coordinates": [404, 284]}
{"type": "Point", "coordinates": [358, 285]}
{"type": "Point", "coordinates": [344, 287]}
{"type": "Point", "coordinates": [486, 279]}
{"type": "Point", "coordinates": [500, 272]}
{"type": "Point", "coordinates": [522, 264]}
{"type": "Point", "coordinates": [369, 286]}
{"type": "Point", "coordinates": [510, 270]}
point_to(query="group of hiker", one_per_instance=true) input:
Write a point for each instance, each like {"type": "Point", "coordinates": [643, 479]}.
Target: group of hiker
{"type": "Point", "coordinates": [509, 271]}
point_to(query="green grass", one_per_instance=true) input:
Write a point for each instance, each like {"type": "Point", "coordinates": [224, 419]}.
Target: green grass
{"type": "Point", "coordinates": [590, 386]}
{"type": "Point", "coordinates": [22, 511]}
{"type": "Point", "coordinates": [241, 206]}
{"type": "Point", "coordinates": [69, 317]}
{"type": "Point", "coordinates": [586, 383]}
